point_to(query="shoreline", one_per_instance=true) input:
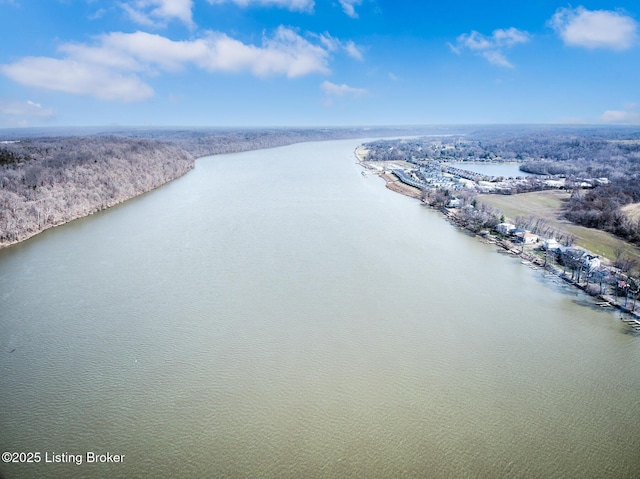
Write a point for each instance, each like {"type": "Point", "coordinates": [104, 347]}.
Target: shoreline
{"type": "Point", "coordinates": [392, 182]}
{"type": "Point", "coordinates": [528, 258]}
{"type": "Point", "coordinates": [5, 245]}
{"type": "Point", "coordinates": [194, 157]}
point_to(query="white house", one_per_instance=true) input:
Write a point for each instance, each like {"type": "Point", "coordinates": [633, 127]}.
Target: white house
{"type": "Point", "coordinates": [505, 228]}
{"type": "Point", "coordinates": [526, 237]}
{"type": "Point", "coordinates": [550, 244]}
{"type": "Point", "coordinates": [591, 262]}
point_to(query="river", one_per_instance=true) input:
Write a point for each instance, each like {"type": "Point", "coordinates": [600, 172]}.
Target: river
{"type": "Point", "coordinates": [275, 314]}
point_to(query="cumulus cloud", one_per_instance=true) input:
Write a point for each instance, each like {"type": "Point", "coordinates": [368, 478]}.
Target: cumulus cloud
{"type": "Point", "coordinates": [293, 5]}
{"type": "Point", "coordinates": [14, 112]}
{"type": "Point", "coordinates": [159, 12]}
{"type": "Point", "coordinates": [111, 67]}
{"type": "Point", "coordinates": [286, 53]}
{"type": "Point", "coordinates": [629, 115]}
{"type": "Point", "coordinates": [332, 89]}
{"type": "Point", "coordinates": [491, 47]}
{"type": "Point", "coordinates": [595, 28]}
{"type": "Point", "coordinates": [349, 7]}
{"type": "Point", "coordinates": [71, 76]}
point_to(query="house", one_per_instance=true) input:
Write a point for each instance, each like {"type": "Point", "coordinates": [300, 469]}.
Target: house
{"type": "Point", "coordinates": [591, 262]}
{"type": "Point", "coordinates": [505, 228]}
{"type": "Point", "coordinates": [550, 244]}
{"type": "Point", "coordinates": [578, 258]}
{"type": "Point", "coordinates": [526, 237]}
{"type": "Point", "coordinates": [568, 254]}
{"type": "Point", "coordinates": [454, 203]}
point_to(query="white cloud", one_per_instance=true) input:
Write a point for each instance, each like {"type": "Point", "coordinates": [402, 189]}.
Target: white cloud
{"type": "Point", "coordinates": [109, 68]}
{"type": "Point", "coordinates": [75, 77]}
{"type": "Point", "coordinates": [595, 28]}
{"type": "Point", "coordinates": [98, 14]}
{"type": "Point", "coordinates": [13, 112]}
{"type": "Point", "coordinates": [158, 12]}
{"type": "Point", "coordinates": [510, 36]}
{"type": "Point", "coordinates": [293, 5]}
{"type": "Point", "coordinates": [474, 41]}
{"type": "Point", "coordinates": [333, 44]}
{"type": "Point", "coordinates": [348, 6]}
{"type": "Point", "coordinates": [137, 16]}
{"type": "Point", "coordinates": [353, 50]}
{"type": "Point", "coordinates": [627, 116]}
{"type": "Point", "coordinates": [496, 58]}
{"type": "Point", "coordinates": [286, 53]}
{"type": "Point", "coordinates": [491, 48]}
{"type": "Point", "coordinates": [332, 89]}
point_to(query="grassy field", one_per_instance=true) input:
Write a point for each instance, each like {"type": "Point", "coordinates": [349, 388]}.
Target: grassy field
{"type": "Point", "coordinates": [548, 205]}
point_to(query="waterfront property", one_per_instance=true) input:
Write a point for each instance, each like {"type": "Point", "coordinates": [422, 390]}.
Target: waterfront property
{"type": "Point", "coordinates": [505, 228]}
{"type": "Point", "coordinates": [331, 329]}
{"type": "Point", "coordinates": [526, 237]}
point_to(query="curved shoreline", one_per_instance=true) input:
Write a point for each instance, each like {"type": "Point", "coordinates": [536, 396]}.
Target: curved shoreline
{"type": "Point", "coordinates": [17, 232]}
{"type": "Point", "coordinates": [394, 184]}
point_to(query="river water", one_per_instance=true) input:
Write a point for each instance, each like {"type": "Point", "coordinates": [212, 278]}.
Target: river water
{"type": "Point", "coordinates": [275, 314]}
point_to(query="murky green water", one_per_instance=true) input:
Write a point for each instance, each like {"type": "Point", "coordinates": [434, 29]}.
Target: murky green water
{"type": "Point", "coordinates": [275, 314]}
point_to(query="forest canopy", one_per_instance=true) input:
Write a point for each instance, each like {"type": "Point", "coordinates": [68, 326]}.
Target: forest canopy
{"type": "Point", "coordinates": [46, 182]}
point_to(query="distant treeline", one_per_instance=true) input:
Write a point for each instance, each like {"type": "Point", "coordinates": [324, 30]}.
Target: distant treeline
{"type": "Point", "coordinates": [571, 151]}
{"type": "Point", "coordinates": [203, 141]}
{"type": "Point", "coordinates": [207, 141]}
{"type": "Point", "coordinates": [47, 182]}
{"type": "Point", "coordinates": [49, 176]}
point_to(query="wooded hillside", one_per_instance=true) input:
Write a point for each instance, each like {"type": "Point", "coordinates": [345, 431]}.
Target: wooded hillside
{"type": "Point", "coordinates": [47, 182]}
{"type": "Point", "coordinates": [49, 176]}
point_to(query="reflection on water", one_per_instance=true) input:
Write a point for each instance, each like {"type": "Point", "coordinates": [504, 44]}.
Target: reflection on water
{"type": "Point", "coordinates": [274, 314]}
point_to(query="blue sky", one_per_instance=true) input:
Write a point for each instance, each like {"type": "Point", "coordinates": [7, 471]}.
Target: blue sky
{"type": "Point", "coordinates": [317, 63]}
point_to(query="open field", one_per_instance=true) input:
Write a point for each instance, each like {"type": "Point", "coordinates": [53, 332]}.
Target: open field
{"type": "Point", "coordinates": [548, 205]}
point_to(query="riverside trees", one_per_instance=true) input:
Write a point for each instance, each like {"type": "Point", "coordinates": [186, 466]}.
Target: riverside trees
{"type": "Point", "coordinates": [46, 182]}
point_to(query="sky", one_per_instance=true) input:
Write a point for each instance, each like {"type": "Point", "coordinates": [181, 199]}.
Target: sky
{"type": "Point", "coordinates": [305, 63]}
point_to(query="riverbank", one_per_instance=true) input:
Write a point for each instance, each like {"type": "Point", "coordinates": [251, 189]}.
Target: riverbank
{"type": "Point", "coordinates": [526, 254]}
{"type": "Point", "coordinates": [392, 182]}
{"type": "Point", "coordinates": [83, 214]}
{"type": "Point", "coordinates": [51, 177]}
{"type": "Point", "coordinates": [49, 182]}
